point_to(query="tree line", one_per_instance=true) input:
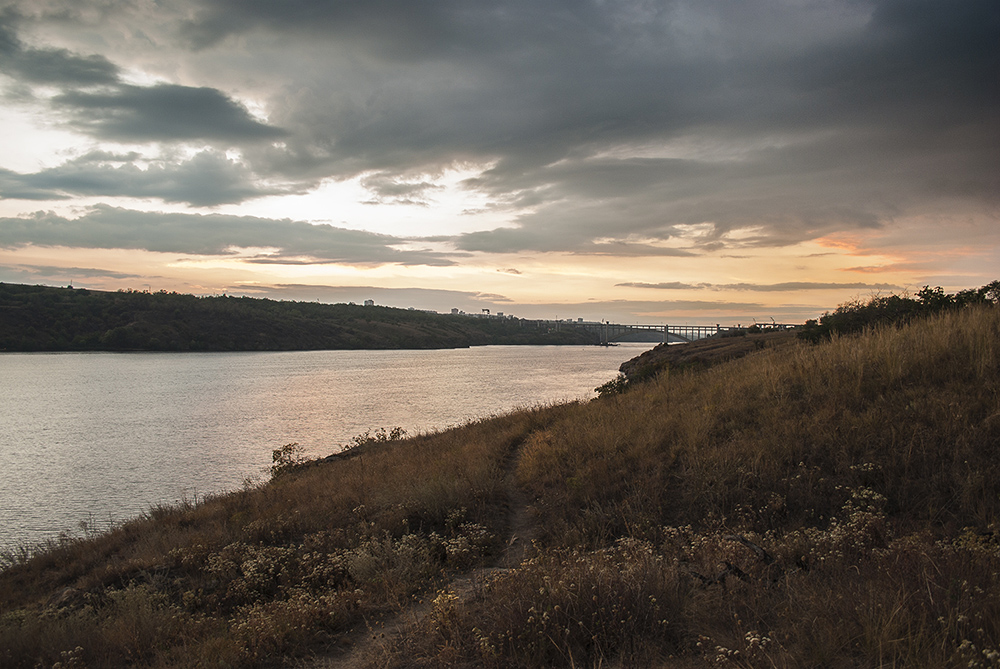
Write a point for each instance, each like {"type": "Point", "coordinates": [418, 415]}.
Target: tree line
{"type": "Point", "coordinates": [44, 318]}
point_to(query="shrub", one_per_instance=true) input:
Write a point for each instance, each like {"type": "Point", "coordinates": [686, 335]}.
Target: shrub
{"type": "Point", "coordinates": [286, 458]}
{"type": "Point", "coordinates": [615, 386]}
{"type": "Point", "coordinates": [880, 310]}
{"type": "Point", "coordinates": [380, 436]}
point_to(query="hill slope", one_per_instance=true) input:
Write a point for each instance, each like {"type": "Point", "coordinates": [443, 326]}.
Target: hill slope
{"type": "Point", "coordinates": [806, 505]}
{"type": "Point", "coordinates": [39, 318]}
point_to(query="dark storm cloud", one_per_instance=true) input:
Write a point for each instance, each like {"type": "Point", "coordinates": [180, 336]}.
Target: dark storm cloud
{"type": "Point", "coordinates": [607, 127]}
{"type": "Point", "coordinates": [775, 196]}
{"type": "Point", "coordinates": [165, 112]}
{"type": "Point", "coordinates": [404, 27]}
{"type": "Point", "coordinates": [823, 116]}
{"type": "Point", "coordinates": [215, 234]}
{"type": "Point", "coordinates": [206, 180]}
{"type": "Point", "coordinates": [92, 99]}
{"type": "Point", "coordinates": [49, 66]}
{"type": "Point", "coordinates": [95, 101]}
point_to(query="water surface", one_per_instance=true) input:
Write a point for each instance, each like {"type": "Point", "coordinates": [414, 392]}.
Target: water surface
{"type": "Point", "coordinates": [100, 437]}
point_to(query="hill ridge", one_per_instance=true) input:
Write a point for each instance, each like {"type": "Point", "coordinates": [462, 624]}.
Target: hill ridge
{"type": "Point", "coordinates": [41, 318]}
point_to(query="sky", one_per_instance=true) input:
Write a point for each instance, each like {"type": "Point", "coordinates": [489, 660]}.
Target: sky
{"type": "Point", "coordinates": [639, 161]}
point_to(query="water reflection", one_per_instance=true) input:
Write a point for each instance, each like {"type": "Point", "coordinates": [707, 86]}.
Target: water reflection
{"type": "Point", "coordinates": [101, 437]}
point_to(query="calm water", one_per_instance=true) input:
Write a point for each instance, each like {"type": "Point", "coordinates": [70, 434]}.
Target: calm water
{"type": "Point", "coordinates": [95, 438]}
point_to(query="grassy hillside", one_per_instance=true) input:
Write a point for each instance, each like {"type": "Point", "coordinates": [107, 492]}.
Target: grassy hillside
{"type": "Point", "coordinates": [41, 318]}
{"type": "Point", "coordinates": [829, 505]}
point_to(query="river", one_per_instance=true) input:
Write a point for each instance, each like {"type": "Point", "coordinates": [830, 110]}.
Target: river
{"type": "Point", "coordinates": [89, 439]}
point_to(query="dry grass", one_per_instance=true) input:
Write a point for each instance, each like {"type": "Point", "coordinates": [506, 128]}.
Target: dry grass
{"type": "Point", "coordinates": [564, 608]}
{"type": "Point", "coordinates": [819, 506]}
{"type": "Point", "coordinates": [777, 438]}
{"type": "Point", "coordinates": [823, 506]}
{"type": "Point", "coordinates": [268, 570]}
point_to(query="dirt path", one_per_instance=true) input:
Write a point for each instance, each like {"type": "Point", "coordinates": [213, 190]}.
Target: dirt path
{"type": "Point", "coordinates": [361, 646]}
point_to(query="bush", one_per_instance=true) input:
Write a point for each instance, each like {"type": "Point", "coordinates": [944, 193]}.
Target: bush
{"type": "Point", "coordinates": [380, 436]}
{"type": "Point", "coordinates": [615, 386]}
{"type": "Point", "coordinates": [286, 458]}
{"type": "Point", "coordinates": [858, 315]}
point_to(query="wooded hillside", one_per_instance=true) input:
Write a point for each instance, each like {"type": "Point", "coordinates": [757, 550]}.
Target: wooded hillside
{"type": "Point", "coordinates": [41, 318]}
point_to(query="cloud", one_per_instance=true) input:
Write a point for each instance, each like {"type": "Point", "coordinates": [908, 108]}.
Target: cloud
{"type": "Point", "coordinates": [558, 236]}
{"type": "Point", "coordinates": [94, 100]}
{"type": "Point", "coordinates": [402, 29]}
{"type": "Point", "coordinates": [164, 112]}
{"type": "Point", "coordinates": [625, 311]}
{"type": "Point", "coordinates": [884, 269]}
{"type": "Point", "coordinates": [676, 312]}
{"type": "Point", "coordinates": [795, 121]}
{"type": "Point", "coordinates": [388, 189]}
{"type": "Point", "coordinates": [207, 179]}
{"type": "Point", "coordinates": [788, 286]}
{"type": "Point", "coordinates": [598, 128]}
{"type": "Point", "coordinates": [215, 234]}
{"type": "Point", "coordinates": [493, 298]}
{"type": "Point", "coordinates": [671, 285]}
{"type": "Point", "coordinates": [419, 298]}
{"type": "Point", "coordinates": [47, 65]}
{"type": "Point", "coordinates": [795, 286]}
{"type": "Point", "coordinates": [650, 307]}
{"type": "Point", "coordinates": [22, 273]}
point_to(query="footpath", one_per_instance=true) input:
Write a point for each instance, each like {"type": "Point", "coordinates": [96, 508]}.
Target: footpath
{"type": "Point", "coordinates": [366, 644]}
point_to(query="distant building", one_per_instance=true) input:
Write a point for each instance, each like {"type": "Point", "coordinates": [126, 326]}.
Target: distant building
{"type": "Point", "coordinates": [369, 303]}
{"type": "Point", "coordinates": [454, 312]}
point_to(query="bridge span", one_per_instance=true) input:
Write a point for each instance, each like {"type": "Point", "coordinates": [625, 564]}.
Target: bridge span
{"type": "Point", "coordinates": [612, 332]}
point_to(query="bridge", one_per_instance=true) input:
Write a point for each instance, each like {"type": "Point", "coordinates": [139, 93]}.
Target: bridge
{"type": "Point", "coordinates": [613, 332]}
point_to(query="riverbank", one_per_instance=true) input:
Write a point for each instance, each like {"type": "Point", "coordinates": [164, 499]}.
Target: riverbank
{"type": "Point", "coordinates": [805, 505]}
{"type": "Point", "coordinates": [702, 353]}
